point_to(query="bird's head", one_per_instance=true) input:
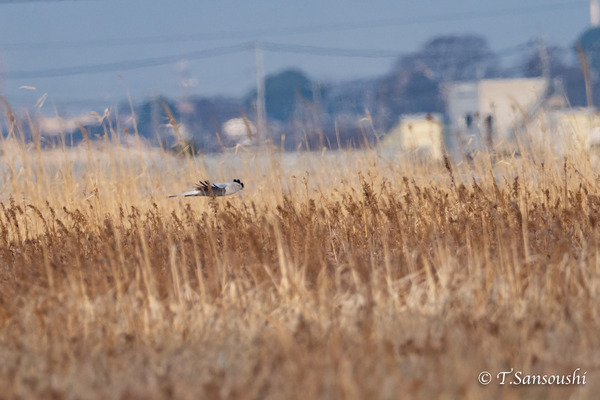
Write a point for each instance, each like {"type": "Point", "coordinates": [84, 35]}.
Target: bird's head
{"type": "Point", "coordinates": [239, 182]}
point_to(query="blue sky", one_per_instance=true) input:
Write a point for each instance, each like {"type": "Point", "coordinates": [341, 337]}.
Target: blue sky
{"type": "Point", "coordinates": [45, 36]}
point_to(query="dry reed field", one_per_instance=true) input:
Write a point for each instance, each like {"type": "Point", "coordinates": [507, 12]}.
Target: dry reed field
{"type": "Point", "coordinates": [348, 275]}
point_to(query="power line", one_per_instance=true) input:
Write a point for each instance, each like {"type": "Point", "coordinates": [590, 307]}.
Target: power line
{"type": "Point", "coordinates": [125, 65]}
{"type": "Point", "coordinates": [36, 1]}
{"type": "Point", "coordinates": [329, 51]}
{"type": "Point", "coordinates": [65, 101]}
{"type": "Point", "coordinates": [223, 50]}
{"type": "Point", "coordinates": [298, 30]}
{"type": "Point", "coordinates": [209, 53]}
{"type": "Point", "coordinates": [369, 53]}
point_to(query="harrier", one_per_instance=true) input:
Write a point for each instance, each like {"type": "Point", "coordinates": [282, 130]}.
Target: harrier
{"type": "Point", "coordinates": [205, 188]}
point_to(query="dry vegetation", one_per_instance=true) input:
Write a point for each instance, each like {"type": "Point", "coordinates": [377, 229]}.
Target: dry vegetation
{"type": "Point", "coordinates": [345, 275]}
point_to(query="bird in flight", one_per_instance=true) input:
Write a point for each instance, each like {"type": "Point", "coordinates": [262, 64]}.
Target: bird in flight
{"type": "Point", "coordinates": [205, 188]}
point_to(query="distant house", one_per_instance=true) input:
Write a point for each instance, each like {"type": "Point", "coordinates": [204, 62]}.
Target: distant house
{"type": "Point", "coordinates": [422, 134]}
{"type": "Point", "coordinates": [564, 128]}
{"type": "Point", "coordinates": [239, 131]}
{"type": "Point", "coordinates": [485, 112]}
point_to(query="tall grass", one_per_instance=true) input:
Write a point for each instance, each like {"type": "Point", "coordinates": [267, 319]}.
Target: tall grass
{"type": "Point", "coordinates": [335, 275]}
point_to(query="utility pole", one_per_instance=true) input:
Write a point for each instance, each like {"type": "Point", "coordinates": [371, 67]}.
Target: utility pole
{"type": "Point", "coordinates": [2, 106]}
{"type": "Point", "coordinates": [185, 106]}
{"type": "Point", "coordinates": [155, 118]}
{"type": "Point", "coordinates": [586, 74]}
{"type": "Point", "coordinates": [261, 115]}
{"type": "Point", "coordinates": [316, 109]}
{"type": "Point", "coordinates": [1, 76]}
{"type": "Point", "coordinates": [545, 60]}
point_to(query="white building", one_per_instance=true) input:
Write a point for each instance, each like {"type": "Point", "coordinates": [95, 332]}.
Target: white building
{"type": "Point", "coordinates": [485, 112]}
{"type": "Point", "coordinates": [564, 129]}
{"type": "Point", "coordinates": [240, 131]}
{"type": "Point", "coordinates": [420, 134]}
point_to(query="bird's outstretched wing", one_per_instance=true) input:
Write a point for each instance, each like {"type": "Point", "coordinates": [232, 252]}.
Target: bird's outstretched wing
{"type": "Point", "coordinates": [207, 189]}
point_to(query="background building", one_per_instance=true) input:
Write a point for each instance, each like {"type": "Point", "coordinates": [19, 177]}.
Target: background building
{"type": "Point", "coordinates": [486, 112]}
{"type": "Point", "coordinates": [422, 134]}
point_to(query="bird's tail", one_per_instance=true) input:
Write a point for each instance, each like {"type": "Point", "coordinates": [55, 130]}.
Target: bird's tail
{"type": "Point", "coordinates": [191, 193]}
